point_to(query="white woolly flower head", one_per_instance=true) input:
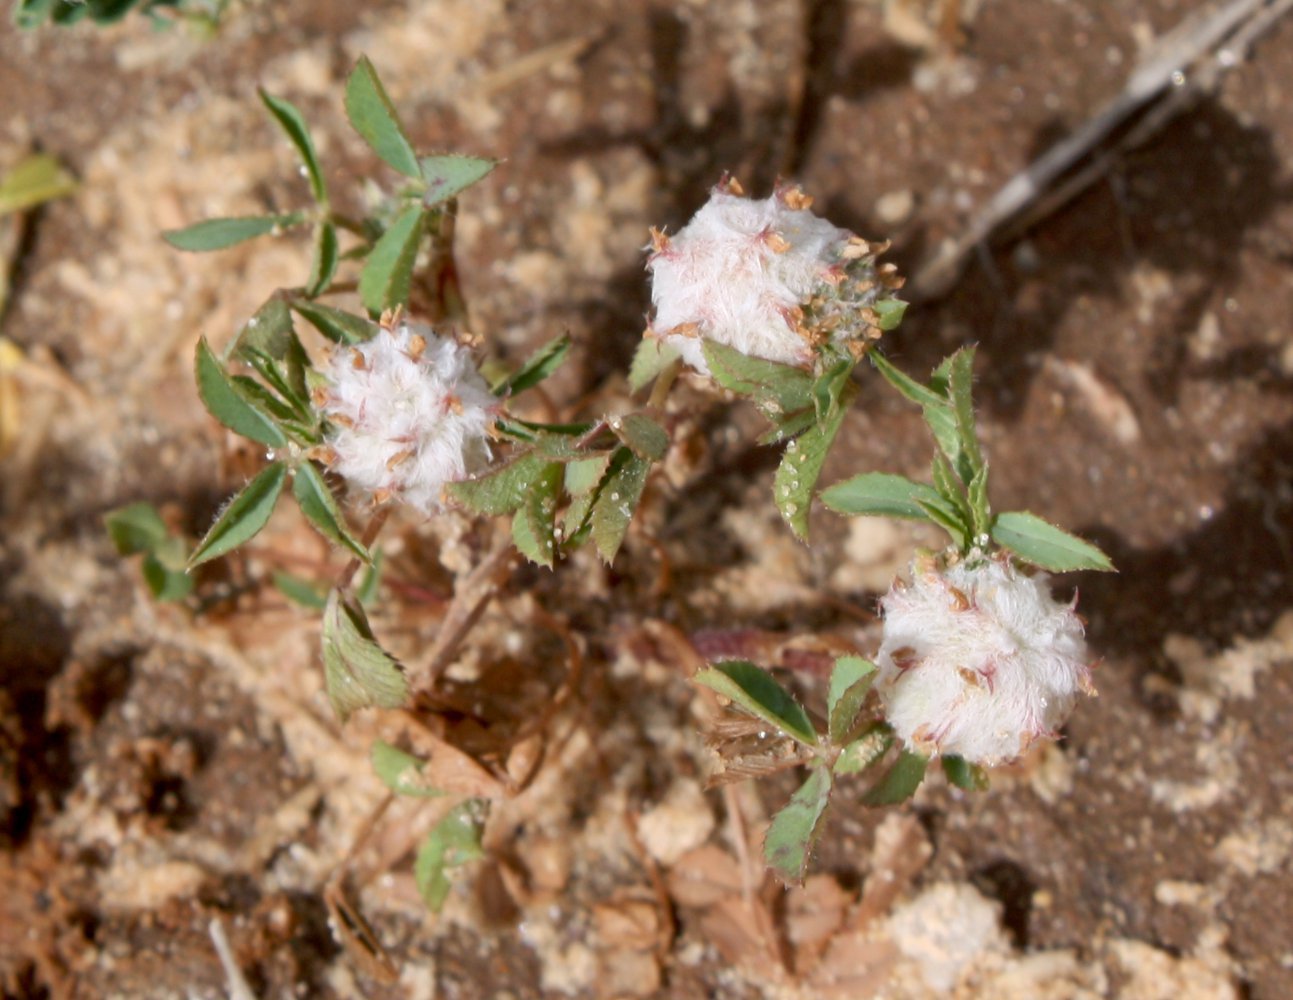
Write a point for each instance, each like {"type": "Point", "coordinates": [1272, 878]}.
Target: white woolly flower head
{"type": "Point", "coordinates": [978, 659]}
{"type": "Point", "coordinates": [410, 412]}
{"type": "Point", "coordinates": [765, 277]}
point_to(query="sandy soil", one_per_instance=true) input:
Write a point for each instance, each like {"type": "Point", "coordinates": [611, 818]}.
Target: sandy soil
{"type": "Point", "coordinates": [159, 772]}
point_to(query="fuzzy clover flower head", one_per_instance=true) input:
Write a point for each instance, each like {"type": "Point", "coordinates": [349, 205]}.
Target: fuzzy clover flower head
{"type": "Point", "coordinates": [765, 277]}
{"type": "Point", "coordinates": [978, 659]}
{"type": "Point", "coordinates": [410, 412]}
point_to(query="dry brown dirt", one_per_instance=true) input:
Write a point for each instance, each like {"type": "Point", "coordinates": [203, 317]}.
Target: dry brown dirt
{"type": "Point", "coordinates": [159, 771]}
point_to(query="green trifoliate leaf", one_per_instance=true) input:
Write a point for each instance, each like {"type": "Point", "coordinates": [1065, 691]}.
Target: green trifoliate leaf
{"type": "Point", "coordinates": [899, 782]}
{"type": "Point", "coordinates": [880, 494]}
{"type": "Point", "coordinates": [865, 751]}
{"type": "Point", "coordinates": [292, 123]}
{"type": "Point", "coordinates": [501, 491]}
{"type": "Point", "coordinates": [642, 435]}
{"type": "Point", "coordinates": [229, 402]}
{"type": "Point", "coordinates": [321, 509]}
{"type": "Point", "coordinates": [245, 515]}
{"type": "Point", "coordinates": [961, 773]}
{"type": "Point", "coordinates": [777, 389]}
{"type": "Point", "coordinates": [217, 234]}
{"type": "Point", "coordinates": [357, 671]}
{"type": "Point", "coordinates": [384, 281]}
{"type": "Point", "coordinates": [37, 179]}
{"type": "Point", "coordinates": [1042, 544]}
{"type": "Point", "coordinates": [401, 772]}
{"type": "Point", "coordinates": [795, 829]}
{"type": "Point", "coordinates": [452, 842]}
{"type": "Point", "coordinates": [617, 501]}
{"type": "Point", "coordinates": [449, 175]}
{"type": "Point", "coordinates": [137, 527]}
{"type": "Point", "coordinates": [323, 265]}
{"type": "Point", "coordinates": [374, 117]}
{"type": "Point", "coordinates": [652, 357]}
{"type": "Point", "coordinates": [801, 466]}
{"type": "Point", "coordinates": [850, 682]}
{"type": "Point", "coordinates": [538, 366]}
{"type": "Point", "coordinates": [755, 691]}
{"type": "Point", "coordinates": [337, 325]}
{"type": "Point", "coordinates": [301, 592]}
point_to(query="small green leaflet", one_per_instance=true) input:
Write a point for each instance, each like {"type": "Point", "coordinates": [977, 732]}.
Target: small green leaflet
{"type": "Point", "coordinates": [616, 501]}
{"type": "Point", "coordinates": [293, 124]}
{"type": "Point", "coordinates": [228, 402]}
{"type": "Point", "coordinates": [795, 829]}
{"type": "Point", "coordinates": [1042, 544]}
{"type": "Point", "coordinates": [164, 572]}
{"type": "Point", "coordinates": [889, 313]}
{"type": "Point", "coordinates": [532, 525]}
{"type": "Point", "coordinates": [137, 527]}
{"type": "Point", "coordinates": [801, 466]}
{"type": "Point", "coordinates": [642, 435]}
{"type": "Point", "coordinates": [538, 366]}
{"type": "Point", "coordinates": [850, 682]}
{"type": "Point", "coordinates": [866, 750]}
{"type": "Point", "coordinates": [880, 494]}
{"type": "Point", "coordinates": [452, 843]}
{"type": "Point", "coordinates": [357, 671]}
{"type": "Point", "coordinates": [384, 281]}
{"type": "Point", "coordinates": [268, 332]}
{"type": "Point", "coordinates": [777, 389]}
{"type": "Point", "coordinates": [652, 357]}
{"type": "Point", "coordinates": [338, 326]}
{"type": "Point", "coordinates": [302, 592]}
{"type": "Point", "coordinates": [899, 782]}
{"type": "Point", "coordinates": [321, 509]}
{"type": "Point", "coordinates": [37, 179]}
{"type": "Point", "coordinates": [245, 515]}
{"type": "Point", "coordinates": [960, 390]}
{"type": "Point", "coordinates": [217, 234]}
{"type": "Point", "coordinates": [961, 773]}
{"type": "Point", "coordinates": [374, 117]}
{"type": "Point", "coordinates": [449, 175]}
{"type": "Point", "coordinates": [401, 772]}
{"type": "Point", "coordinates": [323, 266]}
{"type": "Point", "coordinates": [501, 491]}
{"type": "Point", "coordinates": [754, 690]}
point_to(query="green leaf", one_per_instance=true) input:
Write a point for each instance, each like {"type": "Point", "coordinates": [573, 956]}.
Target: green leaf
{"type": "Point", "coordinates": [35, 180]}
{"type": "Point", "coordinates": [961, 773]}
{"type": "Point", "coordinates": [452, 843]}
{"type": "Point", "coordinates": [244, 516]}
{"type": "Point", "coordinates": [216, 234]}
{"type": "Point", "coordinates": [533, 523]}
{"type": "Point", "coordinates": [586, 474]}
{"type": "Point", "coordinates": [323, 265]}
{"type": "Point", "coordinates": [899, 782]}
{"type": "Point", "coordinates": [291, 121]}
{"type": "Point", "coordinates": [801, 466]}
{"type": "Point", "coordinates": [879, 494]}
{"type": "Point", "coordinates": [865, 751]}
{"type": "Point", "coordinates": [302, 592]}
{"type": "Point", "coordinates": [947, 518]}
{"type": "Point", "coordinates": [502, 491]}
{"type": "Point", "coordinates": [754, 690]}
{"type": "Point", "coordinates": [850, 682]}
{"type": "Point", "coordinates": [136, 527]}
{"type": "Point", "coordinates": [388, 271]}
{"type": "Point", "coordinates": [642, 435]}
{"type": "Point", "coordinates": [447, 176]}
{"type": "Point", "coordinates": [961, 391]}
{"type": "Point", "coordinates": [889, 313]}
{"type": "Point", "coordinates": [777, 388]}
{"type": "Point", "coordinates": [370, 583]}
{"type": "Point", "coordinates": [795, 829]}
{"type": "Point", "coordinates": [937, 410]}
{"type": "Point", "coordinates": [357, 671]}
{"type": "Point", "coordinates": [374, 117]}
{"type": "Point", "coordinates": [537, 367]}
{"type": "Point", "coordinates": [829, 387]}
{"type": "Point", "coordinates": [652, 357]}
{"type": "Point", "coordinates": [947, 485]}
{"type": "Point", "coordinates": [228, 402]}
{"type": "Point", "coordinates": [337, 325]}
{"type": "Point", "coordinates": [321, 509]}
{"type": "Point", "coordinates": [165, 582]}
{"type": "Point", "coordinates": [617, 501]}
{"type": "Point", "coordinates": [1042, 544]}
{"type": "Point", "coordinates": [401, 772]}
{"type": "Point", "coordinates": [269, 332]}
{"type": "Point", "coordinates": [980, 511]}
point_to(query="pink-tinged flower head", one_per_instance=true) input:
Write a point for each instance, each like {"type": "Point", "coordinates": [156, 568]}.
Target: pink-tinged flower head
{"type": "Point", "coordinates": [766, 277]}
{"type": "Point", "coordinates": [978, 659]}
{"type": "Point", "coordinates": [410, 412]}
